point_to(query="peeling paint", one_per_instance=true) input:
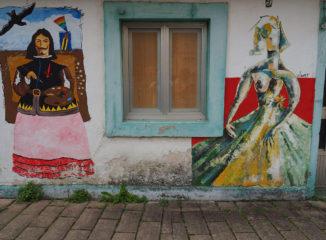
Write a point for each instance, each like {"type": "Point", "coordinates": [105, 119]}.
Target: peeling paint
{"type": "Point", "coordinates": [163, 129]}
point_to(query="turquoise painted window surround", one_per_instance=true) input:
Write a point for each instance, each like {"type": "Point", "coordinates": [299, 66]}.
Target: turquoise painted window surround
{"type": "Point", "coordinates": [318, 105]}
{"type": "Point", "coordinates": [216, 16]}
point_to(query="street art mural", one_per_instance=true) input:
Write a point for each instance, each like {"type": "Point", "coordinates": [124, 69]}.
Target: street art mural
{"type": "Point", "coordinates": [44, 88]}
{"type": "Point", "coordinates": [268, 126]}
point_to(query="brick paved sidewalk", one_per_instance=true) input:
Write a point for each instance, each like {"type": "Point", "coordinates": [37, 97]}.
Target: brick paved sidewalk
{"type": "Point", "coordinates": [184, 220]}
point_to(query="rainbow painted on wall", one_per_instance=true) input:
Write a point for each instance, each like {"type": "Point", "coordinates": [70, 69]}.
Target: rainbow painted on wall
{"type": "Point", "coordinates": [61, 22]}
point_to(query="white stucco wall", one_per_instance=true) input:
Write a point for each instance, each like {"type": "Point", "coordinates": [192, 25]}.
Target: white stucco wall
{"type": "Point", "coordinates": [167, 161]}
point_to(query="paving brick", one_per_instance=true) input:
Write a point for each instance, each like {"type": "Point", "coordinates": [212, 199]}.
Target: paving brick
{"type": "Point", "coordinates": [153, 212]}
{"type": "Point", "coordinates": [77, 235]}
{"type": "Point", "coordinates": [266, 230]}
{"type": "Point", "coordinates": [237, 222]}
{"type": "Point", "coordinates": [31, 233]}
{"type": "Point", "coordinates": [73, 209]}
{"type": "Point", "coordinates": [309, 229]}
{"type": "Point", "coordinates": [273, 212]}
{"type": "Point", "coordinates": [195, 223]}
{"type": "Point", "coordinates": [288, 209]}
{"type": "Point", "coordinates": [281, 223]}
{"type": "Point", "coordinates": [213, 215]}
{"type": "Point", "coordinates": [88, 219]}
{"type": "Point", "coordinates": [179, 231]}
{"type": "Point", "coordinates": [317, 216]}
{"type": "Point", "coordinates": [302, 204]}
{"type": "Point", "coordinates": [176, 216]}
{"type": "Point", "coordinates": [15, 227]}
{"type": "Point", "coordinates": [293, 235]}
{"type": "Point", "coordinates": [113, 211]}
{"type": "Point", "coordinates": [95, 204]}
{"type": "Point", "coordinates": [129, 221]}
{"type": "Point", "coordinates": [166, 236]}
{"type": "Point", "coordinates": [321, 205]}
{"type": "Point", "coordinates": [149, 231]}
{"type": "Point", "coordinates": [251, 211]}
{"type": "Point", "coordinates": [246, 236]}
{"type": "Point", "coordinates": [59, 228]}
{"type": "Point", "coordinates": [190, 206]}
{"type": "Point", "coordinates": [5, 203]}
{"type": "Point", "coordinates": [209, 205]}
{"type": "Point", "coordinates": [200, 237]}
{"type": "Point", "coordinates": [104, 229]}
{"type": "Point", "coordinates": [170, 215]}
{"type": "Point", "coordinates": [220, 231]}
{"type": "Point", "coordinates": [174, 204]}
{"type": "Point", "coordinates": [135, 206]}
{"type": "Point", "coordinates": [244, 204]}
{"type": "Point", "coordinates": [124, 236]}
{"type": "Point", "coordinates": [167, 222]}
{"type": "Point", "coordinates": [225, 206]}
{"type": "Point", "coordinates": [211, 212]}
{"type": "Point", "coordinates": [264, 204]}
{"type": "Point", "coordinates": [46, 217]}
{"type": "Point", "coordinates": [60, 203]}
{"type": "Point", "coordinates": [36, 208]}
{"type": "Point", "coordinates": [12, 211]}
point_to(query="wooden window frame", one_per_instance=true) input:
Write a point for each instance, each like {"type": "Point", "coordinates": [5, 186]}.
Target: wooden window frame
{"type": "Point", "coordinates": [215, 14]}
{"type": "Point", "coordinates": [165, 111]}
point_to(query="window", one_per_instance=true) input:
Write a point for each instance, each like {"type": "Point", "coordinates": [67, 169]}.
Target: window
{"type": "Point", "coordinates": [164, 71]}
{"type": "Point", "coordinates": [165, 68]}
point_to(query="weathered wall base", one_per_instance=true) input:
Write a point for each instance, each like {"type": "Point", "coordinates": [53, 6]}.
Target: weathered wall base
{"type": "Point", "coordinates": [174, 193]}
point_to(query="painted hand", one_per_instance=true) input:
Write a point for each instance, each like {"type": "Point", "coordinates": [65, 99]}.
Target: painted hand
{"type": "Point", "coordinates": [31, 74]}
{"type": "Point", "coordinates": [230, 130]}
{"type": "Point", "coordinates": [269, 138]}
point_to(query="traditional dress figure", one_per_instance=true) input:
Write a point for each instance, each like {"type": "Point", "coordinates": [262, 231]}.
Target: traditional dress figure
{"type": "Point", "coordinates": [50, 137]}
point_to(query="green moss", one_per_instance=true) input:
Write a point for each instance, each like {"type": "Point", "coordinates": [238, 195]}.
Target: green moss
{"type": "Point", "coordinates": [122, 197]}
{"type": "Point", "coordinates": [80, 196]}
{"type": "Point", "coordinates": [30, 193]}
{"type": "Point", "coordinates": [164, 203]}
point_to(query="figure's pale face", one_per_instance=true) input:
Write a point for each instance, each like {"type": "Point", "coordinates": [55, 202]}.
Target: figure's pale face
{"type": "Point", "coordinates": [42, 45]}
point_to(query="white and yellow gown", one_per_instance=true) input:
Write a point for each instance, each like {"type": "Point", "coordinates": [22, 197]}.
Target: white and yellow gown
{"type": "Point", "coordinates": [246, 160]}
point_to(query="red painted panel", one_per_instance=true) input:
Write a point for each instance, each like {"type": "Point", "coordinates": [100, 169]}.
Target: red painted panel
{"type": "Point", "coordinates": [196, 140]}
{"type": "Point", "coordinates": [305, 108]}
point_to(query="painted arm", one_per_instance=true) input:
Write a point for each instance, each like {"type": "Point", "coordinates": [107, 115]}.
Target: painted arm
{"type": "Point", "coordinates": [293, 88]}
{"type": "Point", "coordinates": [242, 91]}
{"type": "Point", "coordinates": [26, 72]}
{"type": "Point", "coordinates": [20, 85]}
{"type": "Point", "coordinates": [66, 79]}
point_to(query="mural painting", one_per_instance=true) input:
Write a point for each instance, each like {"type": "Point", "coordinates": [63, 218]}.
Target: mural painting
{"type": "Point", "coordinates": [270, 145]}
{"type": "Point", "coordinates": [44, 88]}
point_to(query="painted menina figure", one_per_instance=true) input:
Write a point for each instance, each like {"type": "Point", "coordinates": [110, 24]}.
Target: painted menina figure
{"type": "Point", "coordinates": [270, 146]}
{"type": "Point", "coordinates": [49, 138]}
